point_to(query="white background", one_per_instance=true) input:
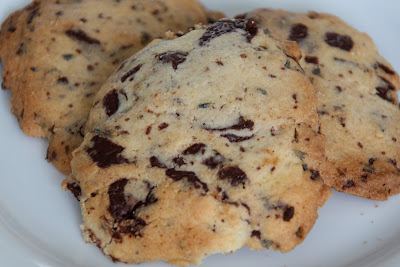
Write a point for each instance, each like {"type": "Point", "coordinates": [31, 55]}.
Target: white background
{"type": "Point", "coordinates": [39, 223]}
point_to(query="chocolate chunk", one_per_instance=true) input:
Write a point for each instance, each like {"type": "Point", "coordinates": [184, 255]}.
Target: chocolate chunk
{"type": "Point", "coordinates": [119, 208]}
{"type": "Point", "coordinates": [235, 139]}
{"type": "Point", "coordinates": [131, 73]}
{"type": "Point", "coordinates": [240, 125]}
{"type": "Point", "coordinates": [75, 189]}
{"type": "Point", "coordinates": [190, 177]}
{"type": "Point", "coordinates": [350, 183]}
{"type": "Point", "coordinates": [256, 234]}
{"type": "Point", "coordinates": [343, 42]}
{"type": "Point", "coordinates": [314, 175]}
{"type": "Point", "coordinates": [310, 59]}
{"type": "Point", "coordinates": [81, 36]}
{"type": "Point", "coordinates": [194, 149]}
{"type": "Point", "coordinates": [298, 32]}
{"type": "Point", "coordinates": [175, 58]}
{"type": "Point", "coordinates": [233, 174]}
{"type": "Point", "coordinates": [224, 26]}
{"type": "Point", "coordinates": [155, 162]}
{"type": "Point", "coordinates": [288, 213]}
{"type": "Point", "coordinates": [111, 102]}
{"type": "Point", "coordinates": [384, 68]}
{"type": "Point", "coordinates": [214, 161]}
{"type": "Point", "coordinates": [105, 153]}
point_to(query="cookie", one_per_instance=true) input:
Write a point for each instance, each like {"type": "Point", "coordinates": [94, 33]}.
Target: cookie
{"type": "Point", "coordinates": [57, 54]}
{"type": "Point", "coordinates": [200, 145]}
{"type": "Point", "coordinates": [357, 100]}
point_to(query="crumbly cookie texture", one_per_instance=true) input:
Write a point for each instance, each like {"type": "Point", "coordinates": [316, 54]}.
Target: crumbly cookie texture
{"type": "Point", "coordinates": [200, 145]}
{"type": "Point", "coordinates": [357, 100]}
{"type": "Point", "coordinates": [56, 55]}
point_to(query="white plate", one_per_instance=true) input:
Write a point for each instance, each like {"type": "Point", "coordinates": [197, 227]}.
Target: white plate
{"type": "Point", "coordinates": [39, 223]}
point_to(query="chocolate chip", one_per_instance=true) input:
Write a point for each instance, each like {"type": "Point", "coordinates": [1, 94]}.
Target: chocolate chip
{"type": "Point", "coordinates": [288, 213]}
{"type": "Point", "coordinates": [350, 183]}
{"type": "Point", "coordinates": [162, 126]}
{"type": "Point", "coordinates": [369, 169]}
{"type": "Point", "coordinates": [298, 32]}
{"type": "Point", "coordinates": [111, 102]}
{"type": "Point", "coordinates": [194, 149]}
{"type": "Point", "coordinates": [130, 73]}
{"type": "Point", "coordinates": [155, 162]}
{"type": "Point", "coordinates": [175, 58]}
{"type": "Point", "coordinates": [385, 68]}
{"type": "Point", "coordinates": [311, 59]}
{"type": "Point", "coordinates": [299, 232]}
{"type": "Point", "coordinates": [32, 15]}
{"type": "Point", "coordinates": [68, 56]}
{"type": "Point", "coordinates": [314, 175]}
{"type": "Point", "coordinates": [75, 189]}
{"type": "Point", "coordinates": [179, 161]}
{"type": "Point", "coordinates": [190, 177]}
{"type": "Point", "coordinates": [81, 36]}
{"type": "Point", "coordinates": [133, 227]}
{"type": "Point", "coordinates": [105, 153]}
{"type": "Point", "coordinates": [343, 42]}
{"type": "Point", "coordinates": [62, 80]}
{"type": "Point", "coordinates": [384, 90]}
{"type": "Point", "coordinates": [214, 161]}
{"type": "Point", "coordinates": [145, 38]}
{"type": "Point", "coordinates": [148, 130]}
{"type": "Point", "coordinates": [224, 26]}
{"type": "Point", "coordinates": [235, 139]}
{"type": "Point", "coordinates": [240, 125]}
{"type": "Point", "coordinates": [233, 174]}
{"type": "Point", "coordinates": [256, 234]}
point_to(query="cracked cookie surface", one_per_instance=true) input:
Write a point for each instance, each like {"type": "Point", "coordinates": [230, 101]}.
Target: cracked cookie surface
{"type": "Point", "coordinates": [57, 54]}
{"type": "Point", "coordinates": [201, 145]}
{"type": "Point", "coordinates": [357, 101]}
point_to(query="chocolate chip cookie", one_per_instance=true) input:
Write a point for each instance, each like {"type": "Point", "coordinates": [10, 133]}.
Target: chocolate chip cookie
{"type": "Point", "coordinates": [201, 145]}
{"type": "Point", "coordinates": [57, 54]}
{"type": "Point", "coordinates": [357, 101]}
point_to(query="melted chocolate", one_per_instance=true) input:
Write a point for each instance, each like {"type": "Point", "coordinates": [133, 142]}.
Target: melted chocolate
{"type": "Point", "coordinates": [224, 26]}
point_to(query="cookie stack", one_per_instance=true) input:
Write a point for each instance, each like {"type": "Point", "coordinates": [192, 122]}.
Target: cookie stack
{"type": "Point", "coordinates": [227, 136]}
